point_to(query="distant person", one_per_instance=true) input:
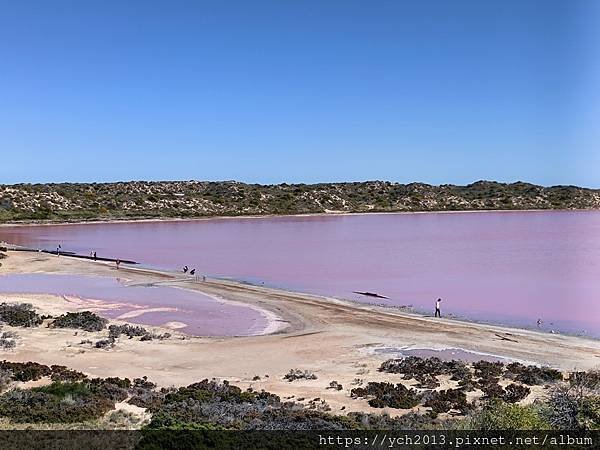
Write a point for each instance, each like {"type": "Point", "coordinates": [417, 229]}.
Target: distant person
{"type": "Point", "coordinates": [95, 256]}
{"type": "Point", "coordinates": [192, 272]}
{"type": "Point", "coordinates": [185, 269]}
{"type": "Point", "coordinates": [203, 278]}
{"type": "Point", "coordinates": [58, 250]}
{"type": "Point", "coordinates": [437, 308]}
{"type": "Point", "coordinates": [539, 322]}
{"type": "Point", "coordinates": [118, 263]}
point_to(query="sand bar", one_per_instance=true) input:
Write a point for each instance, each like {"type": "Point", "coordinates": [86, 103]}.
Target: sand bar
{"type": "Point", "coordinates": [331, 337]}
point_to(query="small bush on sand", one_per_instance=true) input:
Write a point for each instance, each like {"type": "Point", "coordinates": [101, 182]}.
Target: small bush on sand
{"type": "Point", "coordinates": [85, 320]}
{"type": "Point", "coordinates": [335, 385]}
{"type": "Point", "coordinates": [19, 315]}
{"type": "Point", "coordinates": [115, 331]}
{"type": "Point", "coordinates": [8, 340]}
{"type": "Point", "coordinates": [515, 393]}
{"type": "Point", "coordinates": [532, 375]}
{"type": "Point", "coordinates": [444, 401]}
{"type": "Point", "coordinates": [490, 388]}
{"type": "Point", "coordinates": [388, 395]}
{"type": "Point", "coordinates": [426, 371]}
{"type": "Point", "coordinates": [297, 374]}
{"type": "Point", "coordinates": [486, 369]}
{"type": "Point", "coordinates": [131, 331]}
{"type": "Point", "coordinates": [105, 343]}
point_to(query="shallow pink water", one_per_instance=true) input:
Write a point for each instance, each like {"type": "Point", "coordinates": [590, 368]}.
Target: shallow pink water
{"type": "Point", "coordinates": [509, 267]}
{"type": "Point", "coordinates": [203, 315]}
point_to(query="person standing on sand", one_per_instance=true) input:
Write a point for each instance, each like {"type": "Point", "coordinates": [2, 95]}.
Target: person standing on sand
{"type": "Point", "coordinates": [437, 308]}
{"type": "Point", "coordinates": [118, 263]}
{"type": "Point", "coordinates": [95, 257]}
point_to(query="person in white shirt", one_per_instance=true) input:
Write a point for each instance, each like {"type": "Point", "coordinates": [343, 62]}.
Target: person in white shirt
{"type": "Point", "coordinates": [437, 308]}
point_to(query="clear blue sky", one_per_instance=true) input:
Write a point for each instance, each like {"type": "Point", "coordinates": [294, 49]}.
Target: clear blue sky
{"type": "Point", "coordinates": [300, 91]}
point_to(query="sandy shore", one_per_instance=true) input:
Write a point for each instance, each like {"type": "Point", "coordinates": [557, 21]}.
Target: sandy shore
{"type": "Point", "coordinates": [335, 339]}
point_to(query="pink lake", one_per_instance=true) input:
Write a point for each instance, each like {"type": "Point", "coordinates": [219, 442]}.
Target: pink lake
{"type": "Point", "coordinates": [203, 316]}
{"type": "Point", "coordinates": [505, 267]}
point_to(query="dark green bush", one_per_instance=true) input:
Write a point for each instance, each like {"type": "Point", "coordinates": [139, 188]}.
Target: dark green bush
{"type": "Point", "coordinates": [85, 320]}
{"type": "Point", "coordinates": [446, 400]}
{"type": "Point", "coordinates": [19, 315]}
{"type": "Point", "coordinates": [388, 395]}
{"type": "Point", "coordinates": [532, 375]}
{"type": "Point", "coordinates": [28, 371]}
{"type": "Point", "coordinates": [514, 393]}
{"type": "Point", "coordinates": [63, 373]}
{"type": "Point", "coordinates": [486, 369]}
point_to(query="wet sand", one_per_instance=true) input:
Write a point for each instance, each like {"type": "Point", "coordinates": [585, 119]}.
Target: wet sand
{"type": "Point", "coordinates": [334, 339]}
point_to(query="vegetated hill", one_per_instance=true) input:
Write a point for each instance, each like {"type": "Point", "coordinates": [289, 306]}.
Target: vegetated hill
{"type": "Point", "coordinates": [141, 199]}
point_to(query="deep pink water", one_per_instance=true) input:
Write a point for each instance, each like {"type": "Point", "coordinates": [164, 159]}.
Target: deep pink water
{"type": "Point", "coordinates": [509, 267]}
{"type": "Point", "coordinates": [203, 315]}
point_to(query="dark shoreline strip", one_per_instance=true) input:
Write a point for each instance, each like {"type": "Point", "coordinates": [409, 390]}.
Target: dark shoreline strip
{"type": "Point", "coordinates": [72, 255]}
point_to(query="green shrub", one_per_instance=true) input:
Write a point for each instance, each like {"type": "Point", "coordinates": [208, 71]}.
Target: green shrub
{"type": "Point", "coordinates": [388, 395]}
{"type": "Point", "coordinates": [63, 373]}
{"type": "Point", "coordinates": [61, 389]}
{"type": "Point", "coordinates": [498, 415]}
{"type": "Point", "coordinates": [515, 393]}
{"type": "Point", "coordinates": [28, 371]}
{"type": "Point", "coordinates": [56, 403]}
{"type": "Point", "coordinates": [85, 320]}
{"type": "Point", "coordinates": [588, 416]}
{"type": "Point", "coordinates": [446, 400]}
{"type": "Point", "coordinates": [532, 375]}
{"type": "Point", "coordinates": [19, 315]}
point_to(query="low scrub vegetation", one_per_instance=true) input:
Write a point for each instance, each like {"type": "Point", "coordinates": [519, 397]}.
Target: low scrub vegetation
{"type": "Point", "coordinates": [27, 371]}
{"type": "Point", "coordinates": [447, 400]}
{"type": "Point", "coordinates": [532, 375]}
{"type": "Point", "coordinates": [85, 320]}
{"type": "Point", "coordinates": [72, 397]}
{"type": "Point", "coordinates": [131, 331]}
{"type": "Point", "coordinates": [140, 199]}
{"type": "Point", "coordinates": [499, 415]}
{"type": "Point", "coordinates": [19, 315]}
{"type": "Point", "coordinates": [63, 402]}
{"type": "Point", "coordinates": [8, 340]}
{"type": "Point", "coordinates": [297, 374]}
{"type": "Point", "coordinates": [383, 395]}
